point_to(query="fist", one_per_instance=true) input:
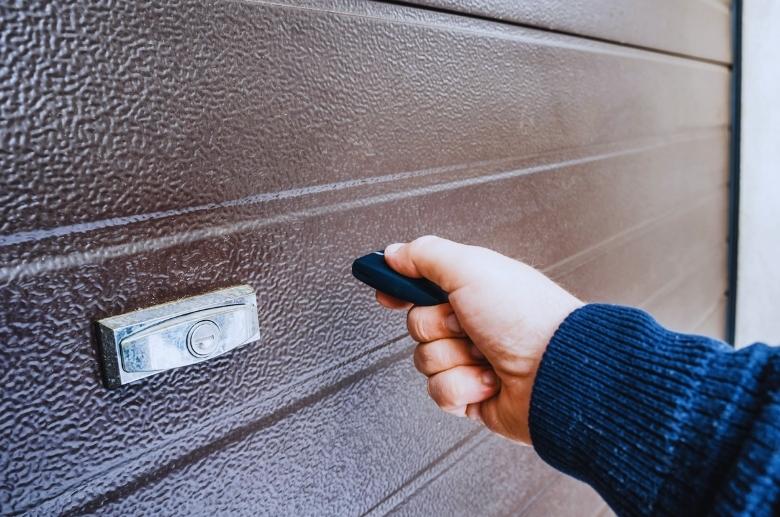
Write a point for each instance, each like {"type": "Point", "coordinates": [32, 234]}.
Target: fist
{"type": "Point", "coordinates": [481, 350]}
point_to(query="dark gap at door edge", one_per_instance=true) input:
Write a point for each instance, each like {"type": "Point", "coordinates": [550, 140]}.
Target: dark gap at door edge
{"type": "Point", "coordinates": [734, 170]}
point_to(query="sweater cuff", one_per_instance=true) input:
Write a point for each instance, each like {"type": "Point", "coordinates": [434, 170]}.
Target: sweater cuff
{"type": "Point", "coordinates": [611, 399]}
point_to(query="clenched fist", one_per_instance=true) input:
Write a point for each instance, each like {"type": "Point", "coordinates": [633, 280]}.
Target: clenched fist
{"type": "Point", "coordinates": [481, 350]}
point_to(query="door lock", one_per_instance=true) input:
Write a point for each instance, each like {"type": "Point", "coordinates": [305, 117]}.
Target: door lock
{"type": "Point", "coordinates": [187, 331]}
{"type": "Point", "coordinates": [203, 338]}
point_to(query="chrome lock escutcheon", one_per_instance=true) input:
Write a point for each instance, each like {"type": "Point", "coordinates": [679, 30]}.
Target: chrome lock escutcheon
{"type": "Point", "coordinates": [180, 333]}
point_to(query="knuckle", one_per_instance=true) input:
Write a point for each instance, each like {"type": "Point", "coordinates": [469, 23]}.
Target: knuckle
{"type": "Point", "coordinates": [443, 392]}
{"type": "Point", "coordinates": [417, 245]}
{"type": "Point", "coordinates": [418, 361]}
{"type": "Point", "coordinates": [416, 323]}
{"type": "Point", "coordinates": [437, 393]}
{"type": "Point", "coordinates": [422, 358]}
{"type": "Point", "coordinates": [456, 298]}
{"type": "Point", "coordinates": [425, 359]}
{"type": "Point", "coordinates": [432, 390]}
{"type": "Point", "coordinates": [455, 394]}
{"type": "Point", "coordinates": [425, 239]}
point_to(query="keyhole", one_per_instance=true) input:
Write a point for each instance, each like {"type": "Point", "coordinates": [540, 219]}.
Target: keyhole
{"type": "Point", "coordinates": [203, 339]}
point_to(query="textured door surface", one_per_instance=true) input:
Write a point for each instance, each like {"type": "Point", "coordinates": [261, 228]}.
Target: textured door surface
{"type": "Point", "coordinates": [157, 150]}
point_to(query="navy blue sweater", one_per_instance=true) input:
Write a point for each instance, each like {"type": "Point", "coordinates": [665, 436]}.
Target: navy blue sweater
{"type": "Point", "coordinates": [659, 423]}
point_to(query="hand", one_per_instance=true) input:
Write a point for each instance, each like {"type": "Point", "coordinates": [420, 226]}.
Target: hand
{"type": "Point", "coordinates": [480, 351]}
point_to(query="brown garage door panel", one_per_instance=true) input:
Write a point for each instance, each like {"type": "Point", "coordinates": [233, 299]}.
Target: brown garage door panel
{"type": "Point", "coordinates": [516, 476]}
{"type": "Point", "coordinates": [162, 463]}
{"type": "Point", "coordinates": [520, 484]}
{"type": "Point", "coordinates": [333, 455]}
{"type": "Point", "coordinates": [566, 496]}
{"type": "Point", "coordinates": [654, 255]}
{"type": "Point", "coordinates": [689, 301]}
{"type": "Point", "coordinates": [158, 153]}
{"type": "Point", "coordinates": [214, 103]}
{"type": "Point", "coordinates": [316, 325]}
{"type": "Point", "coordinates": [715, 321]}
{"type": "Point", "coordinates": [697, 28]}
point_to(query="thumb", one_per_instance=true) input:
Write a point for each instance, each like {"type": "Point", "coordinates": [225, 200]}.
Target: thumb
{"type": "Point", "coordinates": [448, 264]}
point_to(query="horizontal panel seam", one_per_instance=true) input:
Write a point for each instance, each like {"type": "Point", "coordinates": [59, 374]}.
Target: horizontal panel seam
{"type": "Point", "coordinates": [277, 393]}
{"type": "Point", "coordinates": [559, 32]}
{"type": "Point", "coordinates": [679, 279]}
{"type": "Point", "coordinates": [583, 257]}
{"type": "Point", "coordinates": [478, 434]}
{"type": "Point", "coordinates": [323, 188]}
{"type": "Point", "coordinates": [44, 264]}
{"type": "Point", "coordinates": [596, 45]}
{"type": "Point", "coordinates": [234, 436]}
{"type": "Point", "coordinates": [709, 312]}
{"type": "Point", "coordinates": [715, 4]}
{"type": "Point", "coordinates": [538, 495]}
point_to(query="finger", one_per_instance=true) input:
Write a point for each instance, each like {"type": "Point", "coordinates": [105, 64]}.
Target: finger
{"type": "Point", "coordinates": [444, 354]}
{"type": "Point", "coordinates": [446, 263]}
{"type": "Point", "coordinates": [391, 302]}
{"type": "Point", "coordinates": [432, 323]}
{"type": "Point", "coordinates": [458, 411]}
{"type": "Point", "coordinates": [462, 385]}
{"type": "Point", "coordinates": [473, 411]}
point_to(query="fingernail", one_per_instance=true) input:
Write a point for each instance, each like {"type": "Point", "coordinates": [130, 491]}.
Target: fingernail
{"type": "Point", "coordinates": [393, 248]}
{"type": "Point", "coordinates": [489, 378]}
{"type": "Point", "coordinates": [453, 325]}
{"type": "Point", "coordinates": [475, 353]}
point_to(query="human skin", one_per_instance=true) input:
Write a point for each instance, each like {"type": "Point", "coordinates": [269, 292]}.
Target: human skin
{"type": "Point", "coordinates": [480, 351]}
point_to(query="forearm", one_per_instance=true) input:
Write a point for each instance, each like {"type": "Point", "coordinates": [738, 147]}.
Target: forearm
{"type": "Point", "coordinates": [658, 422]}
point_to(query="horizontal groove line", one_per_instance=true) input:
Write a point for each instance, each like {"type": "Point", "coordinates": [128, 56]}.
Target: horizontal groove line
{"type": "Point", "coordinates": [709, 312]}
{"type": "Point", "coordinates": [599, 46]}
{"type": "Point", "coordinates": [582, 257]}
{"type": "Point", "coordinates": [313, 190]}
{"type": "Point", "coordinates": [538, 495]}
{"type": "Point", "coordinates": [237, 410]}
{"type": "Point", "coordinates": [715, 4]}
{"type": "Point", "coordinates": [559, 32]}
{"type": "Point", "coordinates": [51, 263]}
{"type": "Point", "coordinates": [676, 281]}
{"type": "Point", "coordinates": [459, 446]}
{"type": "Point", "coordinates": [234, 436]}
{"type": "Point", "coordinates": [254, 199]}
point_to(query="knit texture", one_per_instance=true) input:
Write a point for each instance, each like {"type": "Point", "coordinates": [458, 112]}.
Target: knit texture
{"type": "Point", "coordinates": [659, 423]}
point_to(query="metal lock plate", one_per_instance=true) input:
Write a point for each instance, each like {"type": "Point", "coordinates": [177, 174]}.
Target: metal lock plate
{"type": "Point", "coordinates": [187, 331]}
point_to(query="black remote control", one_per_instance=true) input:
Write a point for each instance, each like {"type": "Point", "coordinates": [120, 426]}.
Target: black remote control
{"type": "Point", "coordinates": [374, 271]}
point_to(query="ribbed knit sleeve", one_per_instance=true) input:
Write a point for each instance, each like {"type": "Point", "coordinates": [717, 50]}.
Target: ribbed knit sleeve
{"type": "Point", "coordinates": [659, 423]}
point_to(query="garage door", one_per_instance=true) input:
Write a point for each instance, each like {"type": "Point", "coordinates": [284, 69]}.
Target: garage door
{"type": "Point", "coordinates": [152, 151]}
